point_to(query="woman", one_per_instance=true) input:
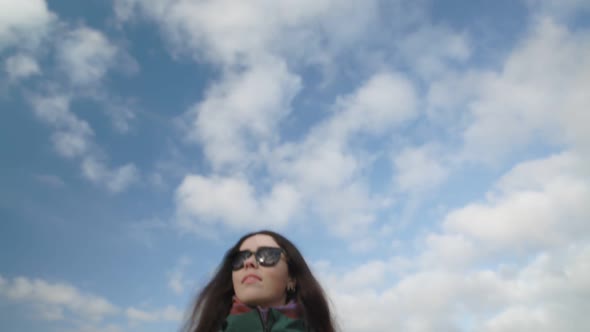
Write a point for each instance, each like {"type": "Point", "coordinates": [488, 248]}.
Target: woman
{"type": "Point", "coordinates": [263, 284]}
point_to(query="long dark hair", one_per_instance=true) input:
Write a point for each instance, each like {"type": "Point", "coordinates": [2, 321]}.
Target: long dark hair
{"type": "Point", "coordinates": [214, 302]}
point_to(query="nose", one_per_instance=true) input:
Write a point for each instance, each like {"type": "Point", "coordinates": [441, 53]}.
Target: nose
{"type": "Point", "coordinates": [250, 262]}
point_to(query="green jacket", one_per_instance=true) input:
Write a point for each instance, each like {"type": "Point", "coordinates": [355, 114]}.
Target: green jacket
{"type": "Point", "coordinates": [253, 321]}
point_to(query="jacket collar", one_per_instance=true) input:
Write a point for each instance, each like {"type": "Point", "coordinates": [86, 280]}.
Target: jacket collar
{"type": "Point", "coordinates": [290, 309]}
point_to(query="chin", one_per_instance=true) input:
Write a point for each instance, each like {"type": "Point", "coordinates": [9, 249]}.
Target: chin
{"type": "Point", "coordinates": [248, 297]}
{"type": "Point", "coordinates": [253, 300]}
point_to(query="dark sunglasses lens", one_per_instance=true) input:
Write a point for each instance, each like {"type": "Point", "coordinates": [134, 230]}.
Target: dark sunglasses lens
{"type": "Point", "coordinates": [268, 256]}
{"type": "Point", "coordinates": [239, 258]}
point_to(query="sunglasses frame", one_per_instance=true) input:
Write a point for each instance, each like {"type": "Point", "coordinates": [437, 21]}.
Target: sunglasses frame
{"type": "Point", "coordinates": [259, 259]}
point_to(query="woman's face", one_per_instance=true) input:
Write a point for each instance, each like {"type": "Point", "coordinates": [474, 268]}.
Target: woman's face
{"type": "Point", "coordinates": [259, 285]}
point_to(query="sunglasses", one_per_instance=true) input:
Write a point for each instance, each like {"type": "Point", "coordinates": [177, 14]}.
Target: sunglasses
{"type": "Point", "coordinates": [265, 256]}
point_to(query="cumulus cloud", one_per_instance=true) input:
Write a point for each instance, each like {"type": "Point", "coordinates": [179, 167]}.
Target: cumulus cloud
{"type": "Point", "coordinates": [230, 32]}
{"type": "Point", "coordinates": [72, 135]}
{"type": "Point", "coordinates": [242, 112]}
{"type": "Point", "coordinates": [116, 179]}
{"type": "Point", "coordinates": [547, 293]}
{"type": "Point", "coordinates": [539, 94]}
{"type": "Point", "coordinates": [417, 169]}
{"type": "Point", "coordinates": [53, 300]}
{"type": "Point", "coordinates": [24, 23]}
{"type": "Point", "coordinates": [562, 10]}
{"type": "Point", "coordinates": [324, 172]}
{"type": "Point", "coordinates": [516, 262]}
{"type": "Point", "coordinates": [236, 123]}
{"type": "Point", "coordinates": [85, 55]}
{"type": "Point", "coordinates": [64, 302]}
{"type": "Point", "coordinates": [431, 50]}
{"type": "Point", "coordinates": [233, 202]}
{"type": "Point", "coordinates": [122, 113]}
{"type": "Point", "coordinates": [73, 138]}
{"type": "Point", "coordinates": [317, 174]}
{"type": "Point", "coordinates": [169, 313]}
{"type": "Point", "coordinates": [85, 327]}
{"type": "Point", "coordinates": [539, 204]}
{"type": "Point", "coordinates": [326, 167]}
{"type": "Point", "coordinates": [384, 101]}
{"type": "Point", "coordinates": [471, 275]}
{"type": "Point", "coordinates": [21, 66]}
{"type": "Point", "coordinates": [177, 281]}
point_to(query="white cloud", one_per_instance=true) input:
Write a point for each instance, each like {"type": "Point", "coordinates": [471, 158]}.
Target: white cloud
{"type": "Point", "coordinates": [242, 111]}
{"type": "Point", "coordinates": [326, 168]}
{"type": "Point", "coordinates": [417, 169]}
{"type": "Point", "coordinates": [564, 9]}
{"type": "Point", "coordinates": [72, 136]}
{"type": "Point", "coordinates": [516, 260]}
{"type": "Point", "coordinates": [449, 95]}
{"type": "Point", "coordinates": [217, 198]}
{"type": "Point", "coordinates": [54, 110]}
{"type": "Point", "coordinates": [64, 302]}
{"type": "Point", "coordinates": [233, 202]}
{"type": "Point", "coordinates": [177, 280]}
{"type": "Point", "coordinates": [24, 23]}
{"type": "Point", "coordinates": [236, 124]}
{"type": "Point", "coordinates": [448, 251]}
{"type": "Point", "coordinates": [348, 210]}
{"type": "Point", "coordinates": [371, 273]}
{"type": "Point", "coordinates": [318, 172]}
{"type": "Point", "coordinates": [122, 177]}
{"type": "Point", "coordinates": [317, 165]}
{"type": "Point", "coordinates": [431, 49]}
{"type": "Point", "coordinates": [533, 226]}
{"type": "Point", "coordinates": [121, 115]}
{"type": "Point", "coordinates": [53, 299]}
{"type": "Point", "coordinates": [546, 294]}
{"type": "Point", "coordinates": [381, 103]}
{"type": "Point", "coordinates": [85, 55]}
{"type": "Point", "coordinates": [70, 143]}
{"type": "Point", "coordinates": [539, 204]}
{"type": "Point", "coordinates": [21, 66]}
{"type": "Point", "coordinates": [325, 159]}
{"type": "Point", "coordinates": [116, 180]}
{"type": "Point", "coordinates": [85, 327]}
{"type": "Point", "coordinates": [230, 32]}
{"type": "Point", "coordinates": [539, 94]}
{"type": "Point", "coordinates": [169, 313]}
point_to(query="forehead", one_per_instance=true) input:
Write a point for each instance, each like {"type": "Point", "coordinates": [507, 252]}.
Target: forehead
{"type": "Point", "coordinates": [258, 240]}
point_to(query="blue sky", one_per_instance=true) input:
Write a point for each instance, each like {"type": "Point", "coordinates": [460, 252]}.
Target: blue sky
{"type": "Point", "coordinates": [431, 159]}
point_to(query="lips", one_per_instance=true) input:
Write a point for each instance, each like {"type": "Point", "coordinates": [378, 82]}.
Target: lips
{"type": "Point", "coordinates": [250, 278]}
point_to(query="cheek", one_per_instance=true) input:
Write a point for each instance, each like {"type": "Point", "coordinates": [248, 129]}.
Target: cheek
{"type": "Point", "coordinates": [278, 278]}
{"type": "Point", "coordinates": [235, 278]}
